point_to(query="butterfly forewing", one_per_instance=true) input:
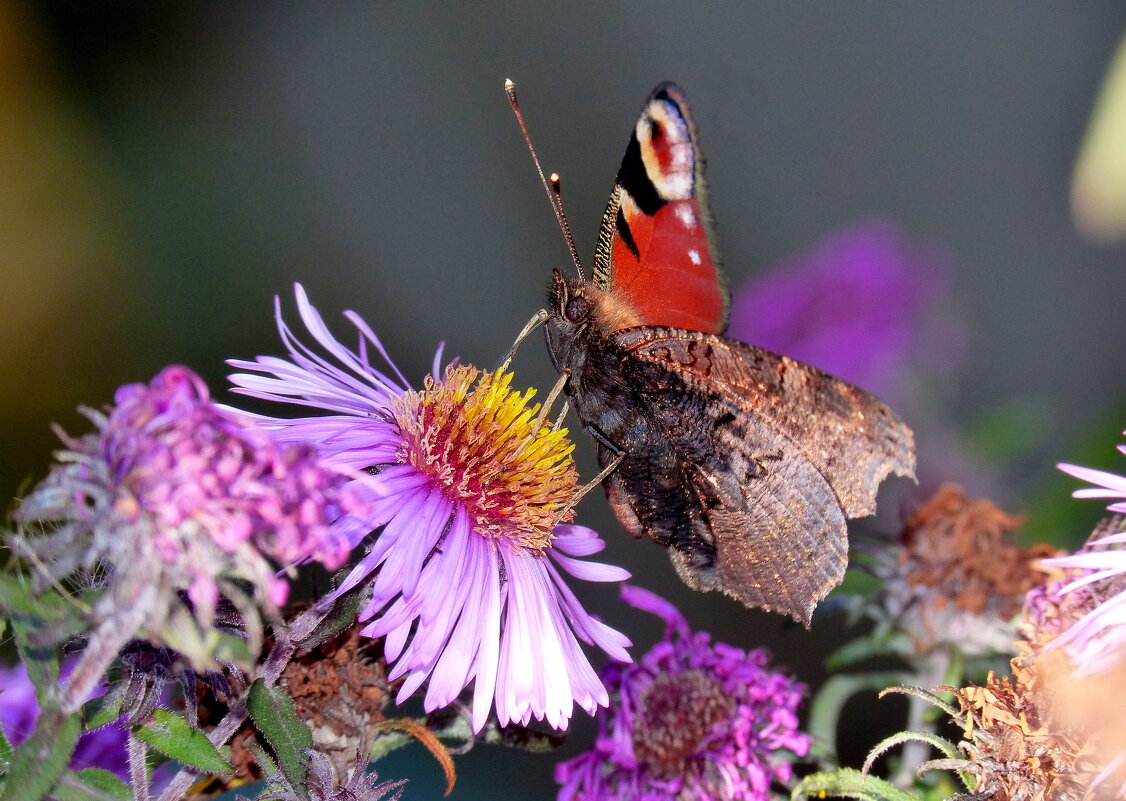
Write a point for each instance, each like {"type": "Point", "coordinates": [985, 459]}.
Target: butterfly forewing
{"type": "Point", "coordinates": [656, 247]}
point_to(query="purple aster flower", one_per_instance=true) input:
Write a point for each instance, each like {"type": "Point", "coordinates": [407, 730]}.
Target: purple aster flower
{"type": "Point", "coordinates": [19, 711]}
{"type": "Point", "coordinates": [693, 720]}
{"type": "Point", "coordinates": [469, 485]}
{"type": "Point", "coordinates": [860, 305]}
{"type": "Point", "coordinates": [172, 498]}
{"type": "Point", "coordinates": [1096, 641]}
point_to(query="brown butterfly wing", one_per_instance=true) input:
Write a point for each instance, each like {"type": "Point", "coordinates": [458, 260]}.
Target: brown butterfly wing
{"type": "Point", "coordinates": [747, 464]}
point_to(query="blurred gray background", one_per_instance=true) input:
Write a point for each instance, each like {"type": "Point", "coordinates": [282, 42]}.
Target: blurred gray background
{"type": "Point", "coordinates": [167, 168]}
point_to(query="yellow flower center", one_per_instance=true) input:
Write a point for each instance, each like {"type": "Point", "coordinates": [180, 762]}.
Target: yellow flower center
{"type": "Point", "coordinates": [491, 452]}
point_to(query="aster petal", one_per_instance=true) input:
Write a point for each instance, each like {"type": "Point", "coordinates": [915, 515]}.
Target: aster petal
{"type": "Point", "coordinates": [360, 366]}
{"type": "Point", "coordinates": [395, 643]}
{"type": "Point", "coordinates": [407, 558]}
{"type": "Point", "coordinates": [407, 503]}
{"type": "Point", "coordinates": [1117, 538]}
{"type": "Point", "coordinates": [1110, 485]}
{"type": "Point", "coordinates": [488, 656]}
{"type": "Point", "coordinates": [462, 654]}
{"type": "Point", "coordinates": [529, 648]}
{"type": "Point", "coordinates": [459, 657]}
{"type": "Point", "coordinates": [651, 602]}
{"type": "Point", "coordinates": [395, 541]}
{"type": "Point", "coordinates": [592, 631]}
{"type": "Point", "coordinates": [436, 369]}
{"type": "Point", "coordinates": [578, 540]}
{"type": "Point", "coordinates": [591, 571]}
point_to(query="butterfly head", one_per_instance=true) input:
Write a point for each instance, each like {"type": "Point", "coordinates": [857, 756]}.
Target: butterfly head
{"type": "Point", "coordinates": [580, 308]}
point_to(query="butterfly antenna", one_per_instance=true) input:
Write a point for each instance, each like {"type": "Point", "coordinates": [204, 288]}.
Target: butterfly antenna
{"type": "Point", "coordinates": [554, 196]}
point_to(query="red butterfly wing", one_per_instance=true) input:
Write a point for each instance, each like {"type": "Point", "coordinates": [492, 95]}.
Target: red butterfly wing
{"type": "Point", "coordinates": [656, 247]}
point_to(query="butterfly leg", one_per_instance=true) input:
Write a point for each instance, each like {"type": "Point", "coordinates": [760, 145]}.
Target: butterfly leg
{"type": "Point", "coordinates": [612, 465]}
{"type": "Point", "coordinates": [551, 398]}
{"type": "Point", "coordinates": [562, 413]}
{"type": "Point", "coordinates": [537, 320]}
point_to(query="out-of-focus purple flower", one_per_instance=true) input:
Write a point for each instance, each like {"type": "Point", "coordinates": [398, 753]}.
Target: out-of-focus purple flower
{"type": "Point", "coordinates": [693, 720]}
{"type": "Point", "coordinates": [469, 485]}
{"type": "Point", "coordinates": [19, 711]}
{"type": "Point", "coordinates": [1096, 641]}
{"type": "Point", "coordinates": [173, 496]}
{"type": "Point", "coordinates": [860, 305]}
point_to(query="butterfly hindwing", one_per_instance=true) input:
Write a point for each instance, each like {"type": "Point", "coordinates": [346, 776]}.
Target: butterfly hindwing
{"type": "Point", "coordinates": [746, 464]}
{"type": "Point", "coordinates": [656, 248]}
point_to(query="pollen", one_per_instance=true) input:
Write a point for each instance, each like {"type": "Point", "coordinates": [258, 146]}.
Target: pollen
{"type": "Point", "coordinates": [491, 451]}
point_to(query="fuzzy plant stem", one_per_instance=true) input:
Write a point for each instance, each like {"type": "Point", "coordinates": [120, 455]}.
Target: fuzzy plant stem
{"type": "Point", "coordinates": [138, 770]}
{"type": "Point", "coordinates": [931, 671]}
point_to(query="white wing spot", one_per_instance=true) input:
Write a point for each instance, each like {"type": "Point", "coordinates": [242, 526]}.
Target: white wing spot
{"type": "Point", "coordinates": [695, 256]}
{"type": "Point", "coordinates": [685, 215]}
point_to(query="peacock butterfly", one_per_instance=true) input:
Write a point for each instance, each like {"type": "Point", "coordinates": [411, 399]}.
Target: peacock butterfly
{"type": "Point", "coordinates": [745, 464]}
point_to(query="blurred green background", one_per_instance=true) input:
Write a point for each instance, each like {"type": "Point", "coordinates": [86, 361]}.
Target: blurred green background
{"type": "Point", "coordinates": [166, 168]}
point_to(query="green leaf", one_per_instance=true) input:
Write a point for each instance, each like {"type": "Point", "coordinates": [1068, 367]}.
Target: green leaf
{"type": "Point", "coordinates": [42, 661]}
{"type": "Point", "coordinates": [275, 715]}
{"type": "Point", "coordinates": [42, 758]}
{"type": "Point", "coordinates": [92, 784]}
{"type": "Point", "coordinates": [848, 783]}
{"type": "Point", "coordinates": [172, 736]}
{"type": "Point", "coordinates": [97, 712]}
{"type": "Point", "coordinates": [48, 615]}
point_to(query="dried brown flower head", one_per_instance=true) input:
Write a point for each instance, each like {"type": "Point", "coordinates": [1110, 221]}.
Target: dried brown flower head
{"type": "Point", "coordinates": [340, 689]}
{"type": "Point", "coordinates": [1013, 748]}
{"type": "Point", "coordinates": [959, 579]}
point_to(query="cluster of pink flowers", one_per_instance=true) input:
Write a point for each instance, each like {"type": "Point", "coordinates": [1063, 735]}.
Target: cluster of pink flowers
{"type": "Point", "coordinates": [692, 720]}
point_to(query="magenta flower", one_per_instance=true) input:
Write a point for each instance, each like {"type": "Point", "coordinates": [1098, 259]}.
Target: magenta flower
{"type": "Point", "coordinates": [1096, 641]}
{"type": "Point", "coordinates": [19, 711]}
{"type": "Point", "coordinates": [861, 305]}
{"type": "Point", "coordinates": [693, 720]}
{"type": "Point", "coordinates": [178, 497]}
{"type": "Point", "coordinates": [469, 485]}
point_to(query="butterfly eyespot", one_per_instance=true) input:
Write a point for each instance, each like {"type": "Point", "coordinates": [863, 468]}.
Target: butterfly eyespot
{"type": "Point", "coordinates": [577, 309]}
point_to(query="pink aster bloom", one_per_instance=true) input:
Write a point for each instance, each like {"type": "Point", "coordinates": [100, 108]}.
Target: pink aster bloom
{"type": "Point", "coordinates": [693, 720]}
{"type": "Point", "coordinates": [1097, 640]}
{"type": "Point", "coordinates": [173, 496]}
{"type": "Point", "coordinates": [469, 483]}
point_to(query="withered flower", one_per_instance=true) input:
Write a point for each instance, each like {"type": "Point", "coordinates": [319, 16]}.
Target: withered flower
{"type": "Point", "coordinates": [956, 580]}
{"type": "Point", "coordinates": [1014, 748]}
